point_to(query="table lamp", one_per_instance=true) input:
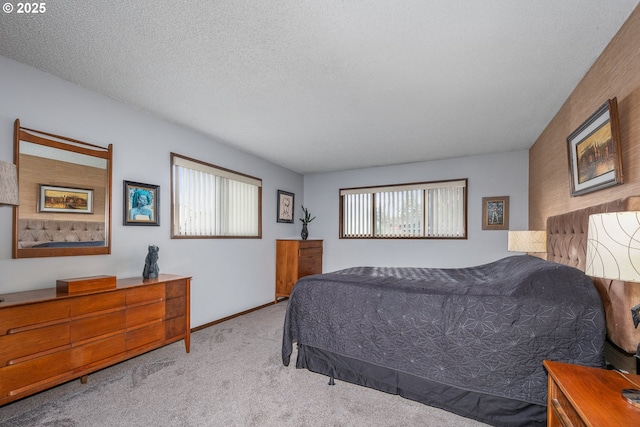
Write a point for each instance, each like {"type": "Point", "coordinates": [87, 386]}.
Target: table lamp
{"type": "Point", "coordinates": [530, 241]}
{"type": "Point", "coordinates": [613, 252]}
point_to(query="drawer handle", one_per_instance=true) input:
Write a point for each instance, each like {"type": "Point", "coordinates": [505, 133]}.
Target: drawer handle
{"type": "Point", "coordinates": [564, 419]}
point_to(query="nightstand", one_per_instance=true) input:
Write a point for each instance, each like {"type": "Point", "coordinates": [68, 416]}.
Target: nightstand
{"type": "Point", "coordinates": [583, 396]}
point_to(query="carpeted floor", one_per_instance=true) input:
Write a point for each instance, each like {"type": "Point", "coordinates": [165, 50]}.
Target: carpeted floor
{"type": "Point", "coordinates": [233, 377]}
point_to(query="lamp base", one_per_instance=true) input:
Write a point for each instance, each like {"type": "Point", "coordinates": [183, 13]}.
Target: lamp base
{"type": "Point", "coordinates": [632, 395]}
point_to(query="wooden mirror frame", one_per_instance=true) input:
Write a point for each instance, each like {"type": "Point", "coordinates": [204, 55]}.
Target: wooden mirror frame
{"type": "Point", "coordinates": [74, 146]}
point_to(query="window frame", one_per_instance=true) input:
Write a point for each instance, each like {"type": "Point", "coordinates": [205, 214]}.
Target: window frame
{"type": "Point", "coordinates": [391, 186]}
{"type": "Point", "coordinates": [229, 173]}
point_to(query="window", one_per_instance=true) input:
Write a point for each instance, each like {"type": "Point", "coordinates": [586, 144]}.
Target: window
{"type": "Point", "coordinates": [210, 201]}
{"type": "Point", "coordinates": [436, 210]}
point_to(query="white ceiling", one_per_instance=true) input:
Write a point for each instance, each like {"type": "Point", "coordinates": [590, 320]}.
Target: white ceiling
{"type": "Point", "coordinates": [324, 85]}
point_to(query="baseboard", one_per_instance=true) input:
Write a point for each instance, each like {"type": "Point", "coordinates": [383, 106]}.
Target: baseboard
{"type": "Point", "coordinates": [233, 316]}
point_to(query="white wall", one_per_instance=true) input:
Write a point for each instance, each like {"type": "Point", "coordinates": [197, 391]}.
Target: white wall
{"type": "Point", "coordinates": [229, 275]}
{"type": "Point", "coordinates": [503, 174]}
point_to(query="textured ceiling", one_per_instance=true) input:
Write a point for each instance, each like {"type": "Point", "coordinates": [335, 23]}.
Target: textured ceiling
{"type": "Point", "coordinates": [317, 85]}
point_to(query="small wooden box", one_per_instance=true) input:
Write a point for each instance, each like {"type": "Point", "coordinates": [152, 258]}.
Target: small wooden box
{"type": "Point", "coordinates": [85, 284]}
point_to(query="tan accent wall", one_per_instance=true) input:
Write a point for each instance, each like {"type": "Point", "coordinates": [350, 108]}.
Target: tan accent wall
{"type": "Point", "coordinates": [616, 73]}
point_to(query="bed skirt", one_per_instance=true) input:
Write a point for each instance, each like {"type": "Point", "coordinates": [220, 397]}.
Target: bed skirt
{"type": "Point", "coordinates": [493, 410]}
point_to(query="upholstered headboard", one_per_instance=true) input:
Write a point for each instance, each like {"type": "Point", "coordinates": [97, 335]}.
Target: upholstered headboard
{"type": "Point", "coordinates": [567, 244]}
{"type": "Point", "coordinates": [34, 233]}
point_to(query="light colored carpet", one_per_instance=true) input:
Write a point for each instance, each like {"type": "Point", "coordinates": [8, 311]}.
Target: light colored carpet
{"type": "Point", "coordinates": [233, 377]}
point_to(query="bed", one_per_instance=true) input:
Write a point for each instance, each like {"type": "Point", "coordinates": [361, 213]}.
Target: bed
{"type": "Point", "coordinates": [469, 340]}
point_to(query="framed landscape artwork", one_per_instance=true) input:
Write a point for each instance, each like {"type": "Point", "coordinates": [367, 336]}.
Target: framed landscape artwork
{"type": "Point", "coordinates": [495, 213]}
{"type": "Point", "coordinates": [594, 151]}
{"type": "Point", "coordinates": [64, 199]}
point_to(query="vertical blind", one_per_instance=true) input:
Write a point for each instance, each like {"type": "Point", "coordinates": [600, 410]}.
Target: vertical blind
{"type": "Point", "coordinates": [399, 211]}
{"type": "Point", "coordinates": [446, 212]}
{"type": "Point", "coordinates": [210, 201]}
{"type": "Point", "coordinates": [357, 215]}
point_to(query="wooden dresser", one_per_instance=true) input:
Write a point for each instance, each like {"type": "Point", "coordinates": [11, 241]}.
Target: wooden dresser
{"type": "Point", "coordinates": [296, 259]}
{"type": "Point", "coordinates": [48, 337]}
{"type": "Point", "coordinates": [583, 396]}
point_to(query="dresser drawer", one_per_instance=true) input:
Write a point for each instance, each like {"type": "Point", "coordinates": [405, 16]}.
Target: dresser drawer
{"type": "Point", "coordinates": [95, 352]}
{"type": "Point", "coordinates": [310, 244]}
{"type": "Point", "coordinates": [176, 288]}
{"type": "Point", "coordinates": [175, 307]}
{"type": "Point", "coordinates": [309, 253]}
{"type": "Point", "coordinates": [20, 375]}
{"type": "Point", "coordinates": [16, 378]}
{"type": "Point", "coordinates": [14, 318]}
{"type": "Point", "coordinates": [144, 336]}
{"type": "Point", "coordinates": [97, 302]}
{"type": "Point", "coordinates": [95, 326]}
{"type": "Point", "coordinates": [308, 265]}
{"type": "Point", "coordinates": [16, 346]}
{"type": "Point", "coordinates": [565, 412]}
{"type": "Point", "coordinates": [144, 294]}
{"type": "Point", "coordinates": [310, 250]}
{"type": "Point", "coordinates": [175, 327]}
{"type": "Point", "coordinates": [142, 314]}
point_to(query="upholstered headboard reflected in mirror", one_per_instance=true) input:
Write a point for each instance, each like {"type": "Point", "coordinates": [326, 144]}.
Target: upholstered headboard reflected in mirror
{"type": "Point", "coordinates": [65, 196]}
{"type": "Point", "coordinates": [567, 244]}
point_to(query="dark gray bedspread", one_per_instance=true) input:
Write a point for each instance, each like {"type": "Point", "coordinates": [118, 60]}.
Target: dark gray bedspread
{"type": "Point", "coordinates": [485, 329]}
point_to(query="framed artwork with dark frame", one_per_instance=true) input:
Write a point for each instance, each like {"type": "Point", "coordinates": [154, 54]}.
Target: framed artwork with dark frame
{"type": "Point", "coordinates": [595, 160]}
{"type": "Point", "coordinates": [285, 205]}
{"type": "Point", "coordinates": [141, 204]}
{"type": "Point", "coordinates": [495, 213]}
{"type": "Point", "coordinates": [52, 198]}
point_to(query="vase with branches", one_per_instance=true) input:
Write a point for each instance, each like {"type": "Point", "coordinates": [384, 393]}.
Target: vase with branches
{"type": "Point", "coordinates": [306, 219]}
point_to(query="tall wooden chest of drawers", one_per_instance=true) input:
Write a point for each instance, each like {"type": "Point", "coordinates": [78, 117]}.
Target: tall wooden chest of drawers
{"type": "Point", "coordinates": [47, 337]}
{"type": "Point", "coordinates": [296, 259]}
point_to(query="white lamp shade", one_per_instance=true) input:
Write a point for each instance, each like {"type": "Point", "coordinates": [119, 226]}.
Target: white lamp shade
{"type": "Point", "coordinates": [613, 246]}
{"type": "Point", "coordinates": [8, 184]}
{"type": "Point", "coordinates": [530, 241]}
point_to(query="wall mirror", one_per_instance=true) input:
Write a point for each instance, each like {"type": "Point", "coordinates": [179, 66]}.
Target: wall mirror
{"type": "Point", "coordinates": [65, 196]}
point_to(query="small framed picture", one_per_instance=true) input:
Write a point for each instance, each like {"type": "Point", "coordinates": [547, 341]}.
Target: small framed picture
{"type": "Point", "coordinates": [495, 213]}
{"type": "Point", "coordinates": [285, 206]}
{"type": "Point", "coordinates": [595, 160]}
{"type": "Point", "coordinates": [141, 204]}
{"type": "Point", "coordinates": [64, 199]}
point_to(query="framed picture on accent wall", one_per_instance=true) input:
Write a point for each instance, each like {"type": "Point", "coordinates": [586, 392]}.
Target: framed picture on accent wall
{"type": "Point", "coordinates": [495, 213]}
{"type": "Point", "coordinates": [595, 160]}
